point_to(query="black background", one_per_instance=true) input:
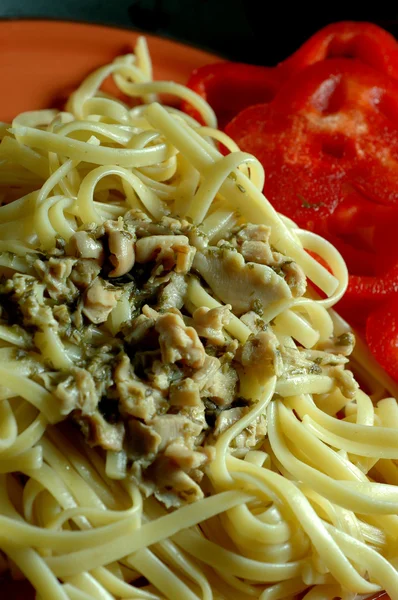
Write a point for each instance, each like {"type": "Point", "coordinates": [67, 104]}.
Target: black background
{"type": "Point", "coordinates": [262, 32]}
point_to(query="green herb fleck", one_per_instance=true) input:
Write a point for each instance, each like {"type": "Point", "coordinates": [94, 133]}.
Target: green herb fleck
{"type": "Point", "coordinates": [306, 204]}
{"type": "Point", "coordinates": [262, 325]}
{"type": "Point", "coordinates": [20, 354]}
{"type": "Point", "coordinates": [315, 369]}
{"type": "Point", "coordinates": [345, 339]}
{"type": "Point", "coordinates": [279, 272]}
{"type": "Point", "coordinates": [257, 308]}
{"type": "Point", "coordinates": [211, 350]}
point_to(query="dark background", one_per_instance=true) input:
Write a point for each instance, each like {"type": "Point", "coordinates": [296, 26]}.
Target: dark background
{"type": "Point", "coordinates": [257, 31]}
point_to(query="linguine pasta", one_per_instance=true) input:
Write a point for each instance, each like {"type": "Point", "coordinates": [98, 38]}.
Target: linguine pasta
{"type": "Point", "coordinates": [309, 505]}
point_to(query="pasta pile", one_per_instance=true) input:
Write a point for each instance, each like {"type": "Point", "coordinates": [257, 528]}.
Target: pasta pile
{"type": "Point", "coordinates": [311, 508]}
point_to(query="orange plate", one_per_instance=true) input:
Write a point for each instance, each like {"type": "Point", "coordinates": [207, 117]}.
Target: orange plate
{"type": "Point", "coordinates": [43, 61]}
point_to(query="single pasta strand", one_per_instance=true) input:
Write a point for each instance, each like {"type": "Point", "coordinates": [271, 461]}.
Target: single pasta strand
{"type": "Point", "coordinates": [150, 533]}
{"type": "Point", "coordinates": [74, 593]}
{"type": "Point", "coordinates": [88, 584]}
{"type": "Point", "coordinates": [8, 426]}
{"type": "Point", "coordinates": [25, 440]}
{"type": "Point", "coordinates": [163, 578]}
{"type": "Point", "coordinates": [37, 572]}
{"type": "Point", "coordinates": [218, 468]}
{"type": "Point", "coordinates": [118, 587]}
{"type": "Point", "coordinates": [31, 391]}
{"type": "Point", "coordinates": [175, 557]}
{"type": "Point", "coordinates": [199, 297]}
{"type": "Point", "coordinates": [283, 590]}
{"type": "Point", "coordinates": [100, 155]}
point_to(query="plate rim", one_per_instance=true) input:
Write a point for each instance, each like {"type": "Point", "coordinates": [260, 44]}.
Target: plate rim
{"type": "Point", "coordinates": [26, 39]}
{"type": "Point", "coordinates": [4, 19]}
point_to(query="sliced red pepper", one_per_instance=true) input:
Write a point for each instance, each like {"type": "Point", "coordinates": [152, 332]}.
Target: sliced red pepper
{"type": "Point", "coordinates": [230, 87]}
{"type": "Point", "coordinates": [366, 42]}
{"type": "Point", "coordinates": [365, 294]}
{"type": "Point", "coordinates": [382, 335]}
{"type": "Point", "coordinates": [322, 136]}
{"type": "Point", "coordinates": [330, 156]}
{"type": "Point", "coordinates": [299, 182]}
{"type": "Point", "coordinates": [324, 264]}
{"type": "Point", "coordinates": [320, 260]}
{"type": "Point", "coordinates": [365, 232]}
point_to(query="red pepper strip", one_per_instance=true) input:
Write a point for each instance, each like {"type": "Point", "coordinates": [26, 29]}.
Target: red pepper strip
{"type": "Point", "coordinates": [366, 234]}
{"type": "Point", "coordinates": [322, 262]}
{"type": "Point", "coordinates": [299, 181]}
{"type": "Point", "coordinates": [366, 42]}
{"type": "Point", "coordinates": [365, 294]}
{"type": "Point", "coordinates": [382, 335]}
{"type": "Point", "coordinates": [230, 87]}
{"type": "Point", "coordinates": [322, 136]}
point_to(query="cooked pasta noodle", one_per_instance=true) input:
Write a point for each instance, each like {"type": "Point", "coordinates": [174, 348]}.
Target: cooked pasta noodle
{"type": "Point", "coordinates": [309, 503]}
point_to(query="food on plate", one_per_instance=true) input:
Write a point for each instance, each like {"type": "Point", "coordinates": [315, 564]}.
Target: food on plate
{"type": "Point", "coordinates": [365, 42]}
{"type": "Point", "coordinates": [229, 87]}
{"type": "Point", "coordinates": [327, 138]}
{"type": "Point", "coordinates": [181, 412]}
